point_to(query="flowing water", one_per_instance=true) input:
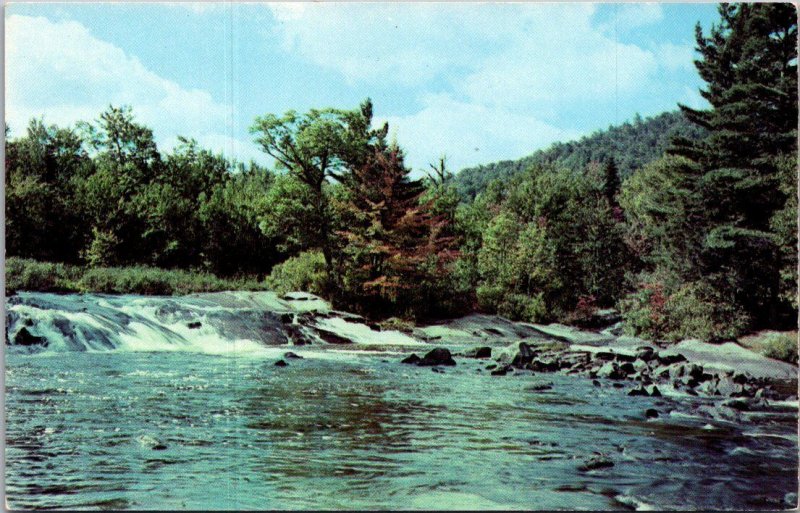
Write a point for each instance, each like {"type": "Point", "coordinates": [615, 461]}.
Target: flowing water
{"type": "Point", "coordinates": [153, 416]}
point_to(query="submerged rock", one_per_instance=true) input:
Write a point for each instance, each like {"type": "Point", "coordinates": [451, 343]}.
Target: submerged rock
{"type": "Point", "coordinates": [502, 371]}
{"type": "Point", "coordinates": [596, 462]}
{"type": "Point", "coordinates": [292, 356]}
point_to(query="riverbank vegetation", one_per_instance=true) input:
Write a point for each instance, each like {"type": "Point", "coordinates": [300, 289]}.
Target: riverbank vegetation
{"type": "Point", "coordinates": [692, 234]}
{"type": "Point", "coordinates": [27, 274]}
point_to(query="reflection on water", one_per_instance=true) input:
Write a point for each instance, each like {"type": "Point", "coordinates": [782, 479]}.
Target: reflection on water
{"type": "Point", "coordinates": [182, 430]}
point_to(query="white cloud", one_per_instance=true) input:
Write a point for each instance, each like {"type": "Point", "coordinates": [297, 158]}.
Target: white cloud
{"type": "Point", "coordinates": [59, 70]}
{"type": "Point", "coordinates": [469, 134]}
{"type": "Point", "coordinates": [398, 42]}
{"type": "Point", "coordinates": [506, 73]}
{"type": "Point", "coordinates": [676, 57]}
{"type": "Point", "coordinates": [637, 15]}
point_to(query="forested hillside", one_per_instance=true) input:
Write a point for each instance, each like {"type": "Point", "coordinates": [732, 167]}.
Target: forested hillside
{"type": "Point", "coordinates": [631, 145]}
{"type": "Point", "coordinates": [699, 242]}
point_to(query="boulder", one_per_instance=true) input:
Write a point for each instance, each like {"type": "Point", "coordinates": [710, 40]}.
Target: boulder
{"type": "Point", "coordinates": [524, 356]}
{"type": "Point", "coordinates": [645, 353]}
{"type": "Point", "coordinates": [292, 356]}
{"type": "Point", "coordinates": [653, 391]}
{"type": "Point", "coordinates": [332, 338]}
{"type": "Point", "coordinates": [639, 391]}
{"type": "Point", "coordinates": [627, 368]}
{"type": "Point", "coordinates": [669, 359]}
{"type": "Point", "coordinates": [281, 363]}
{"type": "Point", "coordinates": [438, 356]}
{"type": "Point", "coordinates": [651, 413]}
{"type": "Point", "coordinates": [610, 370]}
{"type": "Point", "coordinates": [596, 462]}
{"type": "Point", "coordinates": [502, 371]}
{"type": "Point", "coordinates": [728, 388]}
{"type": "Point", "coordinates": [544, 365]}
{"type": "Point", "coordinates": [413, 359]}
{"type": "Point", "coordinates": [26, 338]}
{"type": "Point", "coordinates": [194, 325]}
{"type": "Point", "coordinates": [483, 352]}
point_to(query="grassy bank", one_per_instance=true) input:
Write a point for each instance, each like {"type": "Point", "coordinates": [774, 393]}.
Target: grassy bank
{"type": "Point", "coordinates": [27, 274]}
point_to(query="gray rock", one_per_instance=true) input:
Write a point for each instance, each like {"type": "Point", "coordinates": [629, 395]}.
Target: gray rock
{"type": "Point", "coordinates": [26, 338]}
{"type": "Point", "coordinates": [544, 365]}
{"type": "Point", "coordinates": [483, 352]}
{"type": "Point", "coordinates": [609, 370]}
{"type": "Point", "coordinates": [645, 353]}
{"type": "Point", "coordinates": [596, 462]}
{"type": "Point", "coordinates": [639, 391]}
{"type": "Point", "coordinates": [524, 356]}
{"type": "Point", "coordinates": [412, 359]}
{"type": "Point", "coordinates": [728, 388]}
{"type": "Point", "coordinates": [438, 356]}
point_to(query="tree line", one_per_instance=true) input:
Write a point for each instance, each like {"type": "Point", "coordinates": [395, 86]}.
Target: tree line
{"type": "Point", "coordinates": [700, 242]}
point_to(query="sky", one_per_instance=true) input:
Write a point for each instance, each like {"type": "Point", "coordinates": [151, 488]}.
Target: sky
{"type": "Point", "coordinates": [477, 82]}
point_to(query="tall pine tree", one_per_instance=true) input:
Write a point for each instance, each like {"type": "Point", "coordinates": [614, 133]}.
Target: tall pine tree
{"type": "Point", "coordinates": [749, 63]}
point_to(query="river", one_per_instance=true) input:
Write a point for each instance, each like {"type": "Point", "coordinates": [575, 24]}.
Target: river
{"type": "Point", "coordinates": [182, 426]}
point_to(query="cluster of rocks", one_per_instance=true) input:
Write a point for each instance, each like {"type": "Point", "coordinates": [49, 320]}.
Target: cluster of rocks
{"type": "Point", "coordinates": [643, 369]}
{"type": "Point", "coordinates": [648, 369]}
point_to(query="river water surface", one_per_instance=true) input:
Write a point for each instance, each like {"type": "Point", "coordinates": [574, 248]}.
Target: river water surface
{"type": "Point", "coordinates": [354, 429]}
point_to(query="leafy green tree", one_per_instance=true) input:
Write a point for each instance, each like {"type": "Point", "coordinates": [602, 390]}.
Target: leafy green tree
{"type": "Point", "coordinates": [42, 219]}
{"type": "Point", "coordinates": [317, 146]}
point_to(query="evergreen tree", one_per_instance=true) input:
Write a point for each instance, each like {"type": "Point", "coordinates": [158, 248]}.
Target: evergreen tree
{"type": "Point", "coordinates": [749, 62]}
{"type": "Point", "coordinates": [392, 244]}
{"type": "Point", "coordinates": [612, 182]}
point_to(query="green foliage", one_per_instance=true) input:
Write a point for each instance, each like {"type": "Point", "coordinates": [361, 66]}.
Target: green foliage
{"type": "Point", "coordinates": [631, 145]}
{"type": "Point", "coordinates": [691, 311]}
{"type": "Point", "coordinates": [28, 274]}
{"type": "Point", "coordinates": [781, 346]}
{"type": "Point", "coordinates": [749, 63]}
{"type": "Point", "coordinates": [305, 272]}
{"type": "Point", "coordinates": [105, 196]}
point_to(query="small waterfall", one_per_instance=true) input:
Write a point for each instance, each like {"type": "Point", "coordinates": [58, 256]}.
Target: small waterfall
{"type": "Point", "coordinates": [221, 322]}
{"type": "Point", "coordinates": [236, 321]}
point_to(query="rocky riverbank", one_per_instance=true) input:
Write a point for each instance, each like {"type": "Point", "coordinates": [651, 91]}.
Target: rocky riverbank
{"type": "Point", "coordinates": [740, 377]}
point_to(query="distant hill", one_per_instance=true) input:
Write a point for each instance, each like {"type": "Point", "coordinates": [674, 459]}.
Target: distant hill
{"type": "Point", "coordinates": [631, 144]}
